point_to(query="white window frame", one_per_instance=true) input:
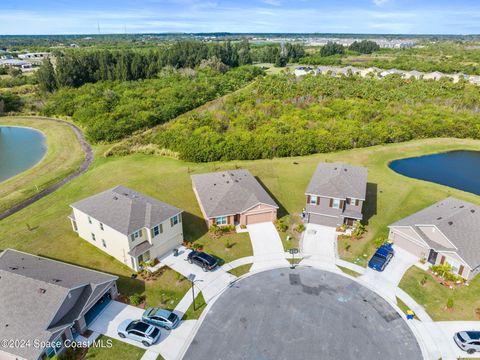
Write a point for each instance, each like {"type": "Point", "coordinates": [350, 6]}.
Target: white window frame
{"type": "Point", "coordinates": [174, 220]}
{"type": "Point", "coordinates": [160, 230]}
{"type": "Point", "coordinates": [313, 202]}
{"type": "Point", "coordinates": [336, 203]}
{"type": "Point", "coordinates": [221, 220]}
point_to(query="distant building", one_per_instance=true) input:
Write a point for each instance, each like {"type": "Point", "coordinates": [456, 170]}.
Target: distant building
{"type": "Point", "coordinates": [303, 70]}
{"type": "Point", "coordinates": [36, 55]}
{"type": "Point", "coordinates": [15, 63]}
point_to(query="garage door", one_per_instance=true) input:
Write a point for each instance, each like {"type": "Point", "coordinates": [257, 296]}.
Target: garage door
{"type": "Point", "coordinates": [408, 245]}
{"type": "Point", "coordinates": [259, 218]}
{"type": "Point", "coordinates": [163, 248]}
{"type": "Point", "coordinates": [323, 220]}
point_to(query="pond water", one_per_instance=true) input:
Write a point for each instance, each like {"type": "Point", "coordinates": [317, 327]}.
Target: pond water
{"type": "Point", "coordinates": [20, 149]}
{"type": "Point", "coordinates": [457, 169]}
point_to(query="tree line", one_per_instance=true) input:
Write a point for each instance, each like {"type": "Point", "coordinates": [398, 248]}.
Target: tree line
{"type": "Point", "coordinates": [77, 67]}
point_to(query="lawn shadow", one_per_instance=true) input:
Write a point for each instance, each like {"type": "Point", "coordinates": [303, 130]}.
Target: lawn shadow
{"type": "Point", "coordinates": [370, 206]}
{"type": "Point", "coordinates": [281, 209]}
{"type": "Point", "coordinates": [194, 227]}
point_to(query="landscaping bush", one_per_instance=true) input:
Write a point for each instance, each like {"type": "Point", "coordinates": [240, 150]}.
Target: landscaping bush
{"type": "Point", "coordinates": [450, 303]}
{"type": "Point", "coordinates": [280, 225]}
{"type": "Point", "coordinates": [135, 299]}
{"type": "Point", "coordinates": [379, 242]}
{"type": "Point", "coordinates": [359, 231]}
{"type": "Point", "coordinates": [300, 228]}
{"type": "Point", "coordinates": [445, 271]}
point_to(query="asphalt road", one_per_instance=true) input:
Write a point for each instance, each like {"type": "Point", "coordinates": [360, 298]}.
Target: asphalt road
{"type": "Point", "coordinates": [302, 314]}
{"type": "Point", "coordinates": [87, 150]}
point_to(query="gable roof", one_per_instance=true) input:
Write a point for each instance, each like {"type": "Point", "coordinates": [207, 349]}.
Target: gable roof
{"type": "Point", "coordinates": [33, 289]}
{"type": "Point", "coordinates": [458, 220]}
{"type": "Point", "coordinates": [126, 210]}
{"type": "Point", "coordinates": [229, 192]}
{"type": "Point", "coordinates": [339, 181]}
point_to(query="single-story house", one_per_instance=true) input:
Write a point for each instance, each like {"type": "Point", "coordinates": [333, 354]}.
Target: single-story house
{"type": "Point", "coordinates": [336, 194]}
{"type": "Point", "coordinates": [45, 303]}
{"type": "Point", "coordinates": [303, 70]}
{"type": "Point", "coordinates": [130, 226]}
{"type": "Point", "coordinates": [448, 231]}
{"type": "Point", "coordinates": [233, 197]}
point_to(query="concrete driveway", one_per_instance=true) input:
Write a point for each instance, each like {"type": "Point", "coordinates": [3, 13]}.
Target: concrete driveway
{"type": "Point", "coordinates": [304, 313]}
{"type": "Point", "coordinates": [170, 344]}
{"type": "Point", "coordinates": [210, 283]}
{"type": "Point", "coordinates": [449, 328]}
{"type": "Point", "coordinates": [388, 280]}
{"type": "Point", "coordinates": [267, 246]}
{"type": "Point", "coordinates": [318, 245]}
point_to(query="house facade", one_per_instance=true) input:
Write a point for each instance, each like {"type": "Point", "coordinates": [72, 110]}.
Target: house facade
{"type": "Point", "coordinates": [335, 194]}
{"type": "Point", "coordinates": [132, 227]}
{"type": "Point", "coordinates": [233, 197]}
{"type": "Point", "coordinates": [46, 303]}
{"type": "Point", "coordinates": [446, 232]}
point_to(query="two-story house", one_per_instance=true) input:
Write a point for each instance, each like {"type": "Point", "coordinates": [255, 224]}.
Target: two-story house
{"type": "Point", "coordinates": [132, 227]}
{"type": "Point", "coordinates": [336, 194]}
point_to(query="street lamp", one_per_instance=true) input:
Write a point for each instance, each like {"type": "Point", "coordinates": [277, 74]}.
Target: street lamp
{"type": "Point", "coordinates": [293, 252]}
{"type": "Point", "coordinates": [191, 277]}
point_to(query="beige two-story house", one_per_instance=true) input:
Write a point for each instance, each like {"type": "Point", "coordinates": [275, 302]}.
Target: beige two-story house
{"type": "Point", "coordinates": [132, 227]}
{"type": "Point", "coordinates": [336, 194]}
{"type": "Point", "coordinates": [446, 232]}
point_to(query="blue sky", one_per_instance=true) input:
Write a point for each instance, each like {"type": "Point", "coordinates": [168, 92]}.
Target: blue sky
{"type": "Point", "coordinates": [137, 16]}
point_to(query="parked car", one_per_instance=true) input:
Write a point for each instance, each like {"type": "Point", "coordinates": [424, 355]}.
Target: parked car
{"type": "Point", "coordinates": [140, 331]}
{"type": "Point", "coordinates": [382, 257]}
{"type": "Point", "coordinates": [161, 317]}
{"type": "Point", "coordinates": [468, 341]}
{"type": "Point", "coordinates": [205, 261]}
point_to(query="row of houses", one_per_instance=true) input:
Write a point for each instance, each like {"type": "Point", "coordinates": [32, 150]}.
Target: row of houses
{"type": "Point", "coordinates": [381, 73]}
{"type": "Point", "coordinates": [135, 228]}
{"type": "Point", "coordinates": [23, 61]}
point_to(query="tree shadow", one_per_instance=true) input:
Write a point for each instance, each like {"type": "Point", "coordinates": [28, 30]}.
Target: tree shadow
{"type": "Point", "coordinates": [194, 227]}
{"type": "Point", "coordinates": [370, 206]}
{"type": "Point", "coordinates": [281, 209]}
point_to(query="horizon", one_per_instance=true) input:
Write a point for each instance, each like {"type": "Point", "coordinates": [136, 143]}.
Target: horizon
{"type": "Point", "coordinates": [366, 17]}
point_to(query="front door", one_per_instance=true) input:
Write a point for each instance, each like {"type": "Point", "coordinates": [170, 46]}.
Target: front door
{"type": "Point", "coordinates": [432, 257]}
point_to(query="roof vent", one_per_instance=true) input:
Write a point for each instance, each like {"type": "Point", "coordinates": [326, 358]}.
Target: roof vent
{"type": "Point", "coordinates": [462, 206]}
{"type": "Point", "coordinates": [439, 218]}
{"type": "Point", "coordinates": [472, 211]}
{"type": "Point", "coordinates": [214, 184]}
{"type": "Point", "coordinates": [228, 182]}
{"type": "Point", "coordinates": [42, 291]}
{"type": "Point", "coordinates": [223, 175]}
{"type": "Point", "coordinates": [115, 198]}
{"type": "Point", "coordinates": [13, 268]}
{"type": "Point", "coordinates": [450, 223]}
{"type": "Point", "coordinates": [236, 180]}
{"type": "Point", "coordinates": [56, 280]}
{"type": "Point", "coordinates": [345, 169]}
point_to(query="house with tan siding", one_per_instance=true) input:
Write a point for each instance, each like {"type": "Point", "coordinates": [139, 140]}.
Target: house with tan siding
{"type": "Point", "coordinates": [130, 226]}
{"type": "Point", "coordinates": [446, 232]}
{"type": "Point", "coordinates": [233, 197]}
{"type": "Point", "coordinates": [335, 194]}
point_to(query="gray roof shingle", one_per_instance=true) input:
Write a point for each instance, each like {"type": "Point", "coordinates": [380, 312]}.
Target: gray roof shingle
{"type": "Point", "coordinates": [458, 220]}
{"type": "Point", "coordinates": [229, 192]}
{"type": "Point", "coordinates": [126, 210]}
{"type": "Point", "coordinates": [33, 289]}
{"type": "Point", "coordinates": [339, 181]}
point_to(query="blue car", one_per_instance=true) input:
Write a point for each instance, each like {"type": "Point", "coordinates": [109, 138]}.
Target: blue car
{"type": "Point", "coordinates": [161, 317]}
{"type": "Point", "coordinates": [382, 257]}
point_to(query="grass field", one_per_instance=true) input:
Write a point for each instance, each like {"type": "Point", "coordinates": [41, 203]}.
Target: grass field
{"type": "Point", "coordinates": [64, 155]}
{"type": "Point", "coordinates": [241, 270]}
{"type": "Point", "coordinates": [390, 197]}
{"type": "Point", "coordinates": [433, 296]}
{"type": "Point", "coordinates": [118, 350]}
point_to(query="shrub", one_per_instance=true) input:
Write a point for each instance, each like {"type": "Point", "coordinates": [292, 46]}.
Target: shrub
{"type": "Point", "coordinates": [450, 303]}
{"type": "Point", "coordinates": [379, 242]}
{"type": "Point", "coordinates": [280, 225]}
{"type": "Point", "coordinates": [300, 228]}
{"type": "Point", "coordinates": [197, 247]}
{"type": "Point", "coordinates": [359, 231]}
{"type": "Point", "coordinates": [445, 271]}
{"type": "Point", "coordinates": [135, 299]}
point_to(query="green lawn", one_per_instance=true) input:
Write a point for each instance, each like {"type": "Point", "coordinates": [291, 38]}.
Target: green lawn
{"type": "Point", "coordinates": [241, 270]}
{"type": "Point", "coordinates": [390, 197]}
{"type": "Point", "coordinates": [349, 271]}
{"type": "Point", "coordinates": [433, 296]}
{"type": "Point", "coordinates": [112, 349]}
{"type": "Point", "coordinates": [200, 305]}
{"type": "Point", "coordinates": [64, 155]}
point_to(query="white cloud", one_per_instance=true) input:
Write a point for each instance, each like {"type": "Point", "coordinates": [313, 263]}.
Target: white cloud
{"type": "Point", "coordinates": [273, 2]}
{"type": "Point", "coordinates": [380, 2]}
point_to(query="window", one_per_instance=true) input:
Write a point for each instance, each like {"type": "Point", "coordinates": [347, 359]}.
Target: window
{"type": "Point", "coordinates": [157, 230]}
{"type": "Point", "coordinates": [104, 243]}
{"type": "Point", "coordinates": [352, 201]}
{"type": "Point", "coordinates": [136, 235]}
{"type": "Point", "coordinates": [93, 237]}
{"type": "Point", "coordinates": [455, 266]}
{"type": "Point", "coordinates": [313, 200]}
{"type": "Point", "coordinates": [89, 220]}
{"type": "Point", "coordinates": [174, 220]}
{"type": "Point", "coordinates": [75, 226]}
{"type": "Point", "coordinates": [222, 220]}
{"type": "Point", "coordinates": [336, 203]}
{"type": "Point", "coordinates": [101, 226]}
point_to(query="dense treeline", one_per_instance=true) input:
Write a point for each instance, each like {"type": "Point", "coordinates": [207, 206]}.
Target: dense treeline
{"type": "Point", "coordinates": [110, 110]}
{"type": "Point", "coordinates": [75, 68]}
{"type": "Point", "coordinates": [9, 102]}
{"type": "Point", "coordinates": [364, 47]}
{"type": "Point", "coordinates": [283, 116]}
